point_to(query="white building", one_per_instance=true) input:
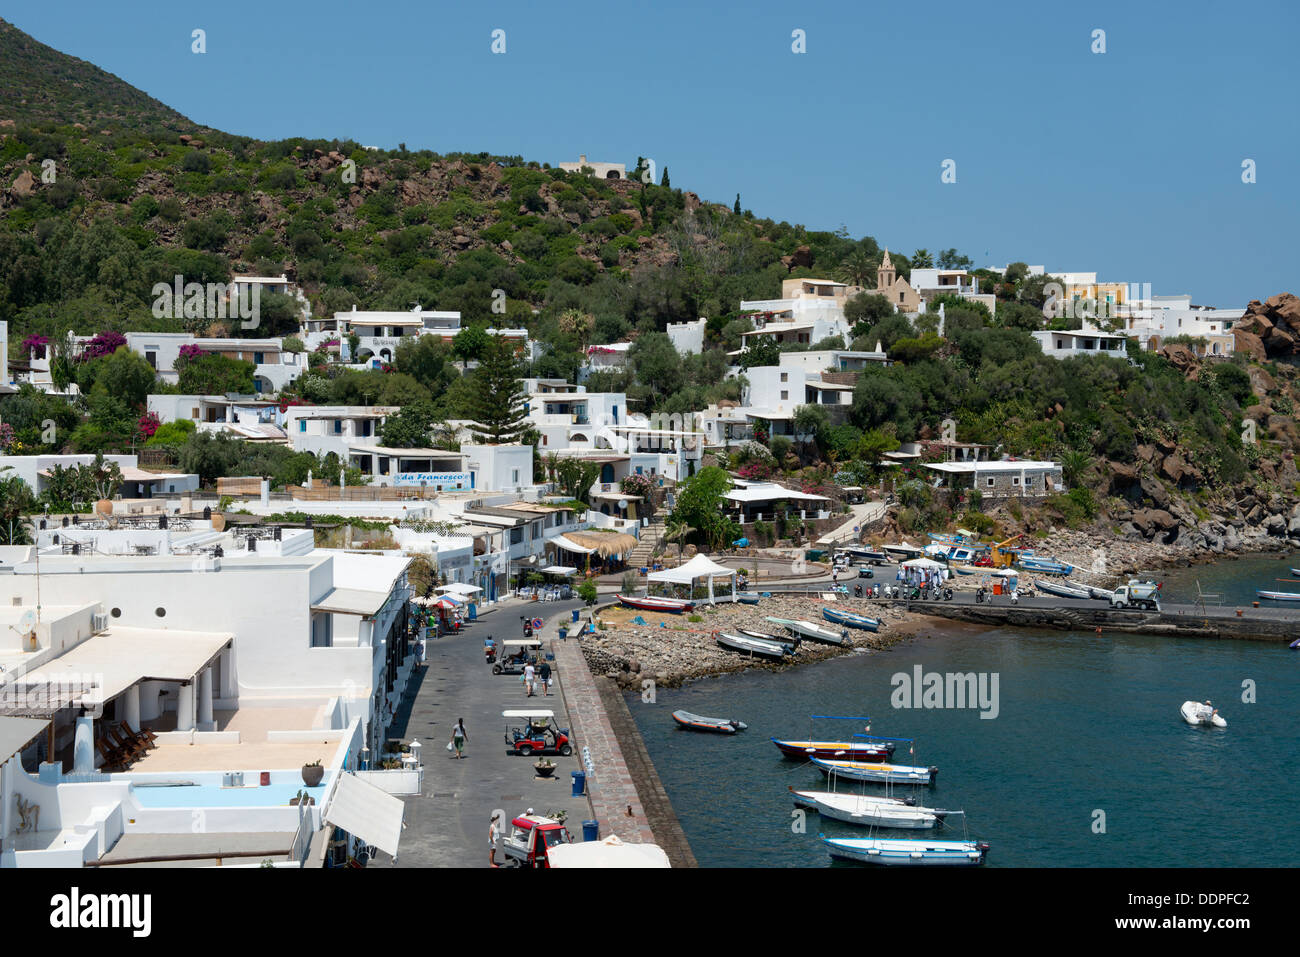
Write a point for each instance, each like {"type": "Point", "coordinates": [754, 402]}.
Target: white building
{"type": "Point", "coordinates": [957, 282]}
{"type": "Point", "coordinates": [688, 337]}
{"type": "Point", "coordinates": [499, 468]}
{"type": "Point", "coordinates": [808, 311]}
{"type": "Point", "coordinates": [273, 367]}
{"type": "Point", "coordinates": [323, 429]}
{"type": "Point", "coordinates": [1086, 341]}
{"type": "Point", "coordinates": [1161, 318]}
{"type": "Point", "coordinates": [277, 284]}
{"type": "Point", "coordinates": [598, 170]}
{"type": "Point", "coordinates": [381, 332]}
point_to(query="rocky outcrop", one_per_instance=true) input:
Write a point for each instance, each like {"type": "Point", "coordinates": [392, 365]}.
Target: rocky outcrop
{"type": "Point", "coordinates": [800, 258]}
{"type": "Point", "coordinates": [1275, 322]}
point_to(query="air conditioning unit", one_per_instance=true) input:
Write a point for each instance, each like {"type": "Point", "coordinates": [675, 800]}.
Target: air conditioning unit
{"type": "Point", "coordinates": [99, 623]}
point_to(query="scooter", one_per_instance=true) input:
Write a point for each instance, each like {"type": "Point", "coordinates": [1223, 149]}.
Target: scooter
{"type": "Point", "coordinates": [528, 627]}
{"type": "Point", "coordinates": [979, 595]}
{"type": "Point", "coordinates": [857, 591]}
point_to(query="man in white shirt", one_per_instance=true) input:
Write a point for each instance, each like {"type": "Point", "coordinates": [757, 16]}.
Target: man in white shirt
{"type": "Point", "coordinates": [530, 674]}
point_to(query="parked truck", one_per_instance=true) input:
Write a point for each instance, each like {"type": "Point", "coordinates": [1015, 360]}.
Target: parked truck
{"type": "Point", "coordinates": [1137, 594]}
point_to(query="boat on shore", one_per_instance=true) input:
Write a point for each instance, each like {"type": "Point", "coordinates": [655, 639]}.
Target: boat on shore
{"type": "Point", "coordinates": [1100, 594]}
{"type": "Point", "coordinates": [1047, 566]}
{"type": "Point", "coordinates": [868, 811]}
{"type": "Point", "coordinates": [904, 551]}
{"type": "Point", "coordinates": [812, 630]}
{"type": "Point", "coordinates": [748, 597]}
{"type": "Point", "coordinates": [754, 646]}
{"type": "Point", "coordinates": [872, 556]}
{"type": "Point", "coordinates": [1277, 595]}
{"type": "Point", "coordinates": [1061, 589]}
{"type": "Point", "coordinates": [862, 750]}
{"type": "Point", "coordinates": [872, 771]}
{"type": "Point", "coordinates": [673, 606]}
{"type": "Point", "coordinates": [1194, 712]}
{"type": "Point", "coordinates": [837, 617]}
{"type": "Point", "coordinates": [907, 852]}
{"type": "Point", "coordinates": [698, 722]}
{"type": "Point", "coordinates": [791, 644]}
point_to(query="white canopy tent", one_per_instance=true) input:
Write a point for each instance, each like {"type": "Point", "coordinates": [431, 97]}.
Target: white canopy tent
{"type": "Point", "coordinates": [460, 588]}
{"type": "Point", "coordinates": [923, 563]}
{"type": "Point", "coordinates": [701, 566]}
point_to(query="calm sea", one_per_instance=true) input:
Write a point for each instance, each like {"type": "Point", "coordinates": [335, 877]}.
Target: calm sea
{"type": "Point", "coordinates": [1088, 733]}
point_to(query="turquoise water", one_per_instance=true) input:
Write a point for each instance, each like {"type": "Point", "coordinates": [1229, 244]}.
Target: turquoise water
{"type": "Point", "coordinates": [273, 795]}
{"type": "Point", "coordinates": [1086, 723]}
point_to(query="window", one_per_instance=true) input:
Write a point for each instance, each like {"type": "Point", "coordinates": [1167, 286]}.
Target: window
{"type": "Point", "coordinates": [194, 413]}
{"type": "Point", "coordinates": [302, 425]}
{"type": "Point", "coordinates": [785, 394]}
{"type": "Point", "coordinates": [257, 358]}
{"type": "Point", "coordinates": [383, 465]}
{"type": "Point", "coordinates": [514, 476]}
{"type": "Point", "coordinates": [989, 482]}
{"type": "Point", "coordinates": [1015, 480]}
{"type": "Point", "coordinates": [785, 377]}
{"type": "Point", "coordinates": [544, 440]}
{"type": "Point", "coordinates": [151, 357]}
{"type": "Point", "coordinates": [338, 426]}
{"type": "Point", "coordinates": [322, 631]}
{"type": "Point", "coordinates": [516, 536]}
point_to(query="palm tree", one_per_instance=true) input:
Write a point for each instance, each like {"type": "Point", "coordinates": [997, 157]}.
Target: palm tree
{"type": "Point", "coordinates": [921, 259]}
{"type": "Point", "coordinates": [858, 269]}
{"type": "Point", "coordinates": [1073, 464]}
{"type": "Point", "coordinates": [675, 530]}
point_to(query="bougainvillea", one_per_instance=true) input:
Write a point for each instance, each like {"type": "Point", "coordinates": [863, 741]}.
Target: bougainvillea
{"type": "Point", "coordinates": [104, 344]}
{"type": "Point", "coordinates": [35, 345]}
{"type": "Point", "coordinates": [191, 351]}
{"type": "Point", "coordinates": [148, 424]}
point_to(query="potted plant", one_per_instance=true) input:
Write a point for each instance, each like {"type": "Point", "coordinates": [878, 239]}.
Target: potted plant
{"type": "Point", "coordinates": [312, 774]}
{"type": "Point", "coordinates": [302, 797]}
{"type": "Point", "coordinates": [545, 768]}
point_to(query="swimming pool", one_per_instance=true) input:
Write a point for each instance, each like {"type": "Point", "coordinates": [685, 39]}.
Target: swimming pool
{"type": "Point", "coordinates": [207, 795]}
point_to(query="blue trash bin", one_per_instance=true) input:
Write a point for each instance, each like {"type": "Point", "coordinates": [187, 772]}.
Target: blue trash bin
{"type": "Point", "coordinates": [590, 831]}
{"type": "Point", "coordinates": [575, 614]}
{"type": "Point", "coordinates": [473, 613]}
{"type": "Point", "coordinates": [564, 633]}
{"type": "Point", "coordinates": [579, 783]}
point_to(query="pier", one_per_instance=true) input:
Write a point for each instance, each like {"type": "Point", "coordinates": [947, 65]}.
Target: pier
{"type": "Point", "coordinates": [1173, 620]}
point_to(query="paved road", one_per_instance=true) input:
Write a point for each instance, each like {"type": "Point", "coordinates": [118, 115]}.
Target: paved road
{"type": "Point", "coordinates": [447, 825]}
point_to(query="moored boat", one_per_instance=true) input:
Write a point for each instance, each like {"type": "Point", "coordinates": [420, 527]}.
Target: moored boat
{"type": "Point", "coordinates": [862, 750]}
{"type": "Point", "coordinates": [1277, 595]}
{"type": "Point", "coordinates": [748, 597]}
{"type": "Point", "coordinates": [868, 811]}
{"type": "Point", "coordinates": [791, 644]}
{"type": "Point", "coordinates": [1048, 566]}
{"type": "Point", "coordinates": [812, 630]}
{"type": "Point", "coordinates": [698, 722]}
{"type": "Point", "coordinates": [649, 603]}
{"type": "Point", "coordinates": [907, 852]}
{"type": "Point", "coordinates": [872, 771]}
{"type": "Point", "coordinates": [835, 616]}
{"type": "Point", "coordinates": [753, 646]}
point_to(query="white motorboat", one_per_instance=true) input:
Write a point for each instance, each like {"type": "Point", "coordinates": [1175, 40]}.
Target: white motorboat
{"type": "Point", "coordinates": [907, 852]}
{"type": "Point", "coordinates": [1063, 590]}
{"type": "Point", "coordinates": [813, 631]}
{"type": "Point", "coordinates": [870, 811]}
{"type": "Point", "coordinates": [1202, 714]}
{"type": "Point", "coordinates": [877, 771]}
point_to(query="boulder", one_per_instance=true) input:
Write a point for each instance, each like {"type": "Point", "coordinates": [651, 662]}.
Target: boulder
{"type": "Point", "coordinates": [1154, 491]}
{"type": "Point", "coordinates": [25, 184]}
{"type": "Point", "coordinates": [800, 258]}
{"type": "Point", "coordinates": [1149, 521]}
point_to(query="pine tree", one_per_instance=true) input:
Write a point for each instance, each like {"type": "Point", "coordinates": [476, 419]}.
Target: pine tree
{"type": "Point", "coordinates": [664, 180]}
{"type": "Point", "coordinates": [736, 209]}
{"type": "Point", "coordinates": [497, 396]}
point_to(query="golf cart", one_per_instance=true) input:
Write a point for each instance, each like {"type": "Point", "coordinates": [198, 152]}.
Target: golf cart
{"type": "Point", "coordinates": [530, 839]}
{"type": "Point", "coordinates": [514, 655]}
{"type": "Point", "coordinates": [539, 735]}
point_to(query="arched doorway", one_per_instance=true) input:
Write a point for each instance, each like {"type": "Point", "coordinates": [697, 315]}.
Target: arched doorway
{"type": "Point", "coordinates": [607, 473]}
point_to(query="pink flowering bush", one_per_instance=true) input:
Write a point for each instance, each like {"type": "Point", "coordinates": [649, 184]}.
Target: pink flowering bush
{"type": "Point", "coordinates": [36, 345]}
{"type": "Point", "coordinates": [148, 424]}
{"type": "Point", "coordinates": [104, 344]}
{"type": "Point", "coordinates": [191, 351]}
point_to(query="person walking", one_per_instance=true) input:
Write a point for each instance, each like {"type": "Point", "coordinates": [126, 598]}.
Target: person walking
{"type": "Point", "coordinates": [459, 737]}
{"type": "Point", "coordinates": [544, 672]}
{"type": "Point", "coordinates": [530, 675]}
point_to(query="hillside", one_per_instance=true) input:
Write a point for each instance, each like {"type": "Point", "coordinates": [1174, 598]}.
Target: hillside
{"type": "Point", "coordinates": [584, 261]}
{"type": "Point", "coordinates": [39, 84]}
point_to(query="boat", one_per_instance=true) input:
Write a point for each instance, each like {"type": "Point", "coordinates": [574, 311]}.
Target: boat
{"type": "Point", "coordinates": [851, 619]}
{"type": "Point", "coordinates": [1061, 590]}
{"type": "Point", "coordinates": [1296, 572]}
{"type": "Point", "coordinates": [697, 722]}
{"type": "Point", "coordinates": [907, 852]}
{"type": "Point", "coordinates": [809, 629]}
{"type": "Point", "coordinates": [871, 771]}
{"type": "Point", "coordinates": [753, 646]}
{"type": "Point", "coordinates": [859, 554]}
{"type": "Point", "coordinates": [1048, 566]}
{"type": "Point", "coordinates": [648, 603]}
{"type": "Point", "coordinates": [864, 750]}
{"type": "Point", "coordinates": [905, 550]}
{"type": "Point", "coordinates": [969, 569]}
{"type": "Point", "coordinates": [748, 597]}
{"type": "Point", "coordinates": [1278, 595]}
{"type": "Point", "coordinates": [870, 811]}
{"type": "Point", "coordinates": [791, 644]}
{"type": "Point", "coordinates": [1100, 594]}
{"type": "Point", "coordinates": [1295, 645]}
{"type": "Point", "coordinates": [1202, 714]}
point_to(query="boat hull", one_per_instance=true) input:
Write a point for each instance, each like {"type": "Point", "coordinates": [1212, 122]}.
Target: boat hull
{"type": "Point", "coordinates": [1278, 595]}
{"type": "Point", "coordinates": [1060, 591]}
{"type": "Point", "coordinates": [1195, 713]}
{"type": "Point", "coordinates": [812, 631]}
{"type": "Point", "coordinates": [880, 773]}
{"type": "Point", "coordinates": [830, 750]}
{"type": "Point", "coordinates": [908, 852]}
{"type": "Point", "coordinates": [754, 646]}
{"type": "Point", "coordinates": [673, 606]}
{"type": "Point", "coordinates": [697, 722]}
{"type": "Point", "coordinates": [866, 811]}
{"type": "Point", "coordinates": [850, 619]}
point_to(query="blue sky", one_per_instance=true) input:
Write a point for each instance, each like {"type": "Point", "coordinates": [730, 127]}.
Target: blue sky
{"type": "Point", "coordinates": [1127, 163]}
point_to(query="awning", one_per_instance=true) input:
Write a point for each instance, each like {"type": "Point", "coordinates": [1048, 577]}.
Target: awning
{"type": "Point", "coordinates": [17, 733]}
{"type": "Point", "coordinates": [571, 546]}
{"type": "Point", "coordinates": [559, 570]}
{"type": "Point", "coordinates": [352, 601]}
{"type": "Point", "coordinates": [923, 563]}
{"type": "Point", "coordinates": [611, 852]}
{"type": "Point", "coordinates": [366, 812]}
{"type": "Point", "coordinates": [121, 657]}
{"type": "Point", "coordinates": [460, 588]}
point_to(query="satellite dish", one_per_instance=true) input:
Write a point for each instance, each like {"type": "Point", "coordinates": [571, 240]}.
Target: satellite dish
{"type": "Point", "coordinates": [27, 623]}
